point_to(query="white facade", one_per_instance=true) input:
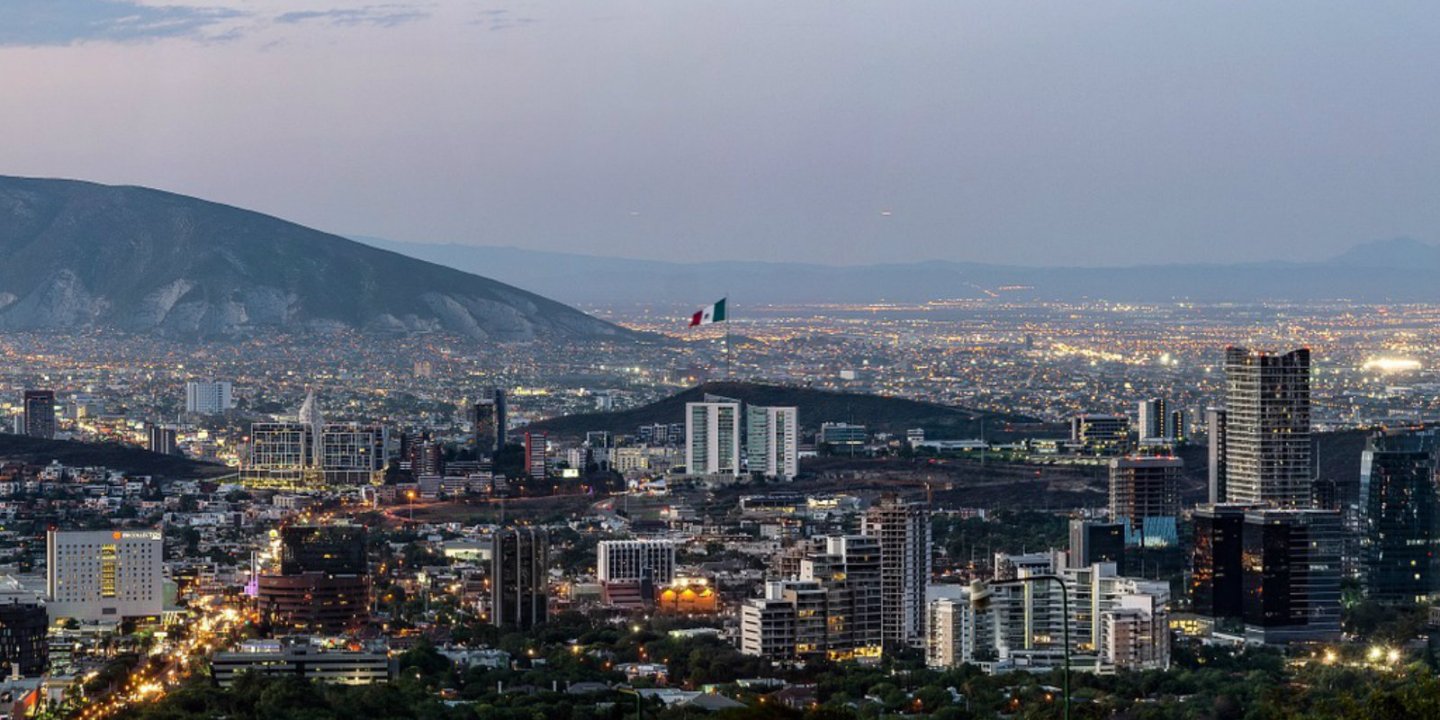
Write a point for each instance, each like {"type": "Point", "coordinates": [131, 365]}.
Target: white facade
{"type": "Point", "coordinates": [628, 560]}
{"type": "Point", "coordinates": [104, 574]}
{"type": "Point", "coordinates": [208, 398]}
{"type": "Point", "coordinates": [1115, 623]}
{"type": "Point", "coordinates": [773, 441]}
{"type": "Point", "coordinates": [712, 438]}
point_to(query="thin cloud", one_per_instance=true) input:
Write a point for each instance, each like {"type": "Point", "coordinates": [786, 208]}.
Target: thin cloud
{"type": "Point", "coordinates": [68, 22]}
{"type": "Point", "coordinates": [381, 15]}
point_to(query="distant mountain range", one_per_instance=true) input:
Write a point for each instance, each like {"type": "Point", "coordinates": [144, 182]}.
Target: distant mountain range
{"type": "Point", "coordinates": [76, 255]}
{"type": "Point", "coordinates": [1399, 270]}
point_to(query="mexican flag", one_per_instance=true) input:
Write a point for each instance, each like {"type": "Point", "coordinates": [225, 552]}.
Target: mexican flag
{"type": "Point", "coordinates": [713, 314]}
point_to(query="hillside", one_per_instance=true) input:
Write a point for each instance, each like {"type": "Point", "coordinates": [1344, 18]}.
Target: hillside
{"type": "Point", "coordinates": [132, 460]}
{"type": "Point", "coordinates": [79, 255]}
{"type": "Point", "coordinates": [879, 413]}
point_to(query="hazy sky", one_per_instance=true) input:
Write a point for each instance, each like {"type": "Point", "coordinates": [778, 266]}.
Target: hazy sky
{"type": "Point", "coordinates": [844, 132]}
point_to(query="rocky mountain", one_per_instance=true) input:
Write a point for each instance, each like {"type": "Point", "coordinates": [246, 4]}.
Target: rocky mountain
{"type": "Point", "coordinates": [76, 255]}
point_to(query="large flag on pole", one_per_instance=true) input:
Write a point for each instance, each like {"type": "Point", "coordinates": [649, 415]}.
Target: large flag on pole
{"type": "Point", "coordinates": [713, 314]}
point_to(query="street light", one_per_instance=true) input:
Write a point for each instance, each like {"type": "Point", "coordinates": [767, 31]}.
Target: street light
{"type": "Point", "coordinates": [979, 599]}
{"type": "Point", "coordinates": [639, 709]}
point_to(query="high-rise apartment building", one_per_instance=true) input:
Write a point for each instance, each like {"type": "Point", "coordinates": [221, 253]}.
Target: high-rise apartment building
{"type": "Point", "coordinates": [24, 627]}
{"type": "Point", "coordinates": [297, 455]}
{"type": "Point", "coordinates": [1215, 453]}
{"type": "Point", "coordinates": [1267, 428]}
{"type": "Point", "coordinates": [832, 609]}
{"type": "Point", "coordinates": [903, 530]}
{"type": "Point", "coordinates": [39, 408]}
{"type": "Point", "coordinates": [208, 397]}
{"type": "Point", "coordinates": [104, 574]}
{"type": "Point", "coordinates": [1152, 417]}
{"type": "Point", "coordinates": [1400, 516]}
{"type": "Point", "coordinates": [537, 447]}
{"type": "Point", "coordinates": [772, 445]}
{"type": "Point", "coordinates": [712, 438]}
{"type": "Point", "coordinates": [1145, 494]}
{"type": "Point", "coordinates": [519, 577]}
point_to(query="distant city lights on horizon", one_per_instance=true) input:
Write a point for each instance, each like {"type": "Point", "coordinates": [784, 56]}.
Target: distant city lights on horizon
{"type": "Point", "coordinates": [1391, 364]}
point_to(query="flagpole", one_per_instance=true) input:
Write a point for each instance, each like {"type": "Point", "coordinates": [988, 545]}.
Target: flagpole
{"type": "Point", "coordinates": [728, 376]}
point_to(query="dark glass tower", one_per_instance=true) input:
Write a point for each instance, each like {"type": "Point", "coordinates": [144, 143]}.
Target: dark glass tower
{"type": "Point", "coordinates": [1398, 507]}
{"type": "Point", "coordinates": [519, 570]}
{"type": "Point", "coordinates": [1217, 579]}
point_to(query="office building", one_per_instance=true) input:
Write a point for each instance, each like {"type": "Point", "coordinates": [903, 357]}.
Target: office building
{"type": "Point", "coordinates": [39, 415]}
{"type": "Point", "coordinates": [537, 446]}
{"type": "Point", "coordinates": [352, 454]}
{"type": "Point", "coordinates": [111, 575]}
{"type": "Point", "coordinates": [296, 455]}
{"type": "Point", "coordinates": [1094, 542]}
{"type": "Point", "coordinates": [337, 667]}
{"type": "Point", "coordinates": [24, 627]}
{"type": "Point", "coordinates": [323, 583]}
{"type": "Point", "coordinates": [280, 455]}
{"type": "Point", "coordinates": [712, 438]}
{"type": "Point", "coordinates": [841, 437]}
{"type": "Point", "coordinates": [1267, 428]}
{"type": "Point", "coordinates": [162, 440]}
{"type": "Point", "coordinates": [1100, 434]}
{"type": "Point", "coordinates": [519, 578]}
{"type": "Point", "coordinates": [208, 397]}
{"type": "Point", "coordinates": [335, 549]}
{"type": "Point", "coordinates": [488, 419]}
{"type": "Point", "coordinates": [1145, 494]}
{"type": "Point", "coordinates": [1217, 574]}
{"type": "Point", "coordinates": [1400, 516]}
{"type": "Point", "coordinates": [1291, 562]}
{"type": "Point", "coordinates": [635, 560]}
{"type": "Point", "coordinates": [1215, 452]}
{"type": "Point", "coordinates": [772, 445]}
{"type": "Point", "coordinates": [903, 530]}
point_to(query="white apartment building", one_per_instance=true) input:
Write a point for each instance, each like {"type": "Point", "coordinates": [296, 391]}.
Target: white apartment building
{"type": "Point", "coordinates": [208, 397]}
{"type": "Point", "coordinates": [712, 438]}
{"type": "Point", "coordinates": [772, 445]}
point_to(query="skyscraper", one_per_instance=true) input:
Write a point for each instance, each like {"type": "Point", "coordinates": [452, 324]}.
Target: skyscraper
{"type": "Point", "coordinates": [40, 414]}
{"type": "Point", "coordinates": [1152, 419]}
{"type": "Point", "coordinates": [1399, 512]}
{"type": "Point", "coordinates": [1291, 562]}
{"type": "Point", "coordinates": [536, 447]}
{"type": "Point", "coordinates": [519, 571]}
{"type": "Point", "coordinates": [1215, 452]}
{"type": "Point", "coordinates": [488, 419]}
{"type": "Point", "coordinates": [1267, 427]}
{"type": "Point", "coordinates": [1145, 493]}
{"type": "Point", "coordinates": [712, 438]}
{"type": "Point", "coordinates": [1217, 578]}
{"type": "Point", "coordinates": [903, 529]}
{"type": "Point", "coordinates": [772, 445]}
{"type": "Point", "coordinates": [208, 397]}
